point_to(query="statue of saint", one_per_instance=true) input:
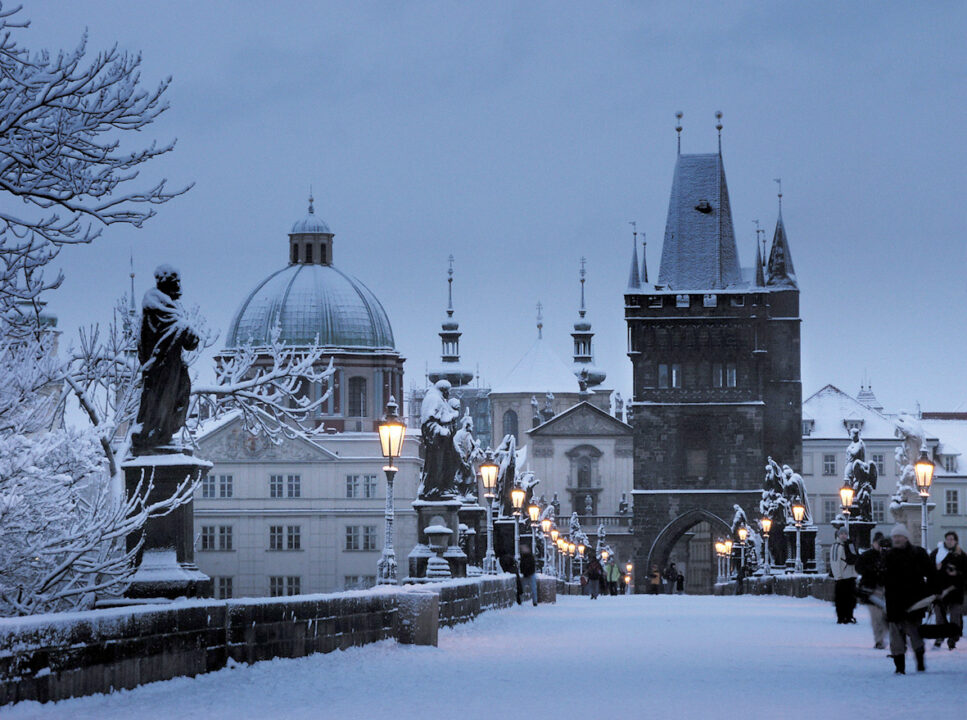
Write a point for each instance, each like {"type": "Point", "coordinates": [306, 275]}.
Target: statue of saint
{"type": "Point", "coordinates": [437, 425]}
{"type": "Point", "coordinates": [738, 519]}
{"type": "Point", "coordinates": [623, 504]}
{"type": "Point", "coordinates": [861, 476]}
{"type": "Point", "coordinates": [556, 504]}
{"type": "Point", "coordinates": [468, 453]}
{"type": "Point", "coordinates": [165, 385]}
{"type": "Point", "coordinates": [794, 489]}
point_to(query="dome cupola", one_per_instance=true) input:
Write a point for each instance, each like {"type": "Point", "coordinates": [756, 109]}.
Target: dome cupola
{"type": "Point", "coordinates": [310, 240]}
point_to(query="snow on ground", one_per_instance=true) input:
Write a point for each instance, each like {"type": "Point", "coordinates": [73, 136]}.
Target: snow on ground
{"type": "Point", "coordinates": [677, 656]}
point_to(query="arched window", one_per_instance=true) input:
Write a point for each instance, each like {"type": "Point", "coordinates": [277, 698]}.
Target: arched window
{"type": "Point", "coordinates": [357, 397]}
{"type": "Point", "coordinates": [510, 424]}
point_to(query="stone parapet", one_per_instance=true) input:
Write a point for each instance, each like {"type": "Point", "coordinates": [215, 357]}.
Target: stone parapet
{"type": "Point", "coordinates": [803, 585]}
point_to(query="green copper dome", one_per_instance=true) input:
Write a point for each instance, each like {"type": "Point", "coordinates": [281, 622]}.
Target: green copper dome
{"type": "Point", "coordinates": [310, 301]}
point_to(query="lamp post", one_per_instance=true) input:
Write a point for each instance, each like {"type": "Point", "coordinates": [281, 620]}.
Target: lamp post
{"type": "Point", "coordinates": [727, 546]}
{"type": "Point", "coordinates": [545, 531]}
{"type": "Point", "coordinates": [719, 555]}
{"type": "Point", "coordinates": [517, 499]}
{"type": "Point", "coordinates": [571, 549]}
{"type": "Point", "coordinates": [798, 513]}
{"type": "Point", "coordinates": [628, 577]}
{"type": "Point", "coordinates": [392, 431]}
{"type": "Point", "coordinates": [581, 550]}
{"type": "Point", "coordinates": [924, 468]}
{"type": "Point", "coordinates": [743, 533]}
{"type": "Point", "coordinates": [846, 494]}
{"type": "Point", "coordinates": [488, 474]}
{"type": "Point", "coordinates": [556, 549]}
{"type": "Point", "coordinates": [533, 512]}
{"type": "Point", "coordinates": [766, 524]}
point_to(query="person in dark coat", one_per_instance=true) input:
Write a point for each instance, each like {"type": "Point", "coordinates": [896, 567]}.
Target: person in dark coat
{"type": "Point", "coordinates": [528, 571]}
{"type": "Point", "coordinates": [595, 574]}
{"type": "Point", "coordinates": [908, 579]}
{"type": "Point", "coordinates": [950, 560]}
{"type": "Point", "coordinates": [509, 565]}
{"type": "Point", "coordinates": [872, 568]}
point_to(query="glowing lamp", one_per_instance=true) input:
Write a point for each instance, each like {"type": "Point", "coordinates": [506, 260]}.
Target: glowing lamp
{"type": "Point", "coordinates": [546, 525]}
{"type": "Point", "coordinates": [627, 579]}
{"type": "Point", "coordinates": [391, 432]}
{"type": "Point", "coordinates": [488, 472]}
{"type": "Point", "coordinates": [581, 549]}
{"type": "Point", "coordinates": [604, 555]}
{"type": "Point", "coordinates": [720, 548]}
{"type": "Point", "coordinates": [846, 496]}
{"type": "Point", "coordinates": [517, 497]}
{"type": "Point", "coordinates": [924, 468]}
{"type": "Point", "coordinates": [766, 524]}
{"type": "Point", "coordinates": [555, 534]}
{"type": "Point", "coordinates": [798, 511]}
{"type": "Point", "coordinates": [728, 547]}
{"type": "Point", "coordinates": [571, 547]}
{"type": "Point", "coordinates": [533, 512]}
{"type": "Point", "coordinates": [743, 533]}
{"type": "Point", "coordinates": [629, 568]}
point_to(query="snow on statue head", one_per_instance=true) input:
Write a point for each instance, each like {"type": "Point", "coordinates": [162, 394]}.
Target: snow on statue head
{"type": "Point", "coordinates": [168, 280]}
{"type": "Point", "coordinates": [910, 432]}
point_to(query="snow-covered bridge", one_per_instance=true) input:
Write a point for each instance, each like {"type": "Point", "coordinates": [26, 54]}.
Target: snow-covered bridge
{"type": "Point", "coordinates": [630, 657]}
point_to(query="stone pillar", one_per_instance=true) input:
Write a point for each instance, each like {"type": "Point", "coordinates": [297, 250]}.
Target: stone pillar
{"type": "Point", "coordinates": [436, 512]}
{"type": "Point", "coordinates": [166, 562]}
{"type": "Point", "coordinates": [808, 548]}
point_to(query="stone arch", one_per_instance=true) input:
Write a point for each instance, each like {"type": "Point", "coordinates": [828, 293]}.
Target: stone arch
{"type": "Point", "coordinates": [673, 532]}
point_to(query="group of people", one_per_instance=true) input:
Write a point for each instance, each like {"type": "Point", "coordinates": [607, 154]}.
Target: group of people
{"type": "Point", "coordinates": [672, 580]}
{"type": "Point", "coordinates": [601, 579]}
{"type": "Point", "coordinates": [900, 583]}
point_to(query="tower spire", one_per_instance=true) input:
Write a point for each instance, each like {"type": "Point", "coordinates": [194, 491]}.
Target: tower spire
{"type": "Point", "coordinates": [450, 369]}
{"type": "Point", "coordinates": [450, 287]}
{"type": "Point", "coordinates": [718, 126]}
{"type": "Point", "coordinates": [634, 280]}
{"type": "Point", "coordinates": [644, 259]}
{"type": "Point", "coordinates": [760, 279]}
{"type": "Point", "coordinates": [778, 181]}
{"type": "Point", "coordinates": [540, 320]}
{"type": "Point", "coordinates": [678, 129]}
{"type": "Point", "coordinates": [312, 210]}
{"type": "Point", "coordinates": [583, 272]}
{"type": "Point", "coordinates": [588, 375]}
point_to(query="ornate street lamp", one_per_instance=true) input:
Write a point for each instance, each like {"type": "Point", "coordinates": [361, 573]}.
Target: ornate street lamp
{"type": "Point", "coordinates": [798, 514]}
{"type": "Point", "coordinates": [581, 550]}
{"type": "Point", "coordinates": [555, 536]}
{"type": "Point", "coordinates": [571, 549]}
{"type": "Point", "coordinates": [924, 468]}
{"type": "Point", "coordinates": [628, 568]}
{"type": "Point", "coordinates": [727, 543]}
{"type": "Point", "coordinates": [743, 533]}
{"type": "Point", "coordinates": [604, 555]}
{"type": "Point", "coordinates": [517, 500]}
{"type": "Point", "coordinates": [392, 432]}
{"type": "Point", "coordinates": [766, 523]}
{"type": "Point", "coordinates": [488, 475]}
{"type": "Point", "coordinates": [534, 513]}
{"type": "Point", "coordinates": [720, 557]}
{"type": "Point", "coordinates": [545, 530]}
{"type": "Point", "coordinates": [846, 494]}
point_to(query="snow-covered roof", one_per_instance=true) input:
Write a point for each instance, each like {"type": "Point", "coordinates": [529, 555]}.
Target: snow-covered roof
{"type": "Point", "coordinates": [540, 370]}
{"type": "Point", "coordinates": [699, 251]}
{"type": "Point", "coordinates": [310, 223]}
{"type": "Point", "coordinates": [781, 272]}
{"type": "Point", "coordinates": [829, 407]}
{"type": "Point", "coordinates": [953, 440]}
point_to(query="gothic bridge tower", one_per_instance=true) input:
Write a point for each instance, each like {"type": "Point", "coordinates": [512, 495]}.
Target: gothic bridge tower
{"type": "Point", "coordinates": [716, 365]}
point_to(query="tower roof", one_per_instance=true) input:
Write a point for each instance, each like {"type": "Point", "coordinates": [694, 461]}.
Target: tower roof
{"type": "Point", "coordinates": [781, 272]}
{"type": "Point", "coordinates": [699, 251]}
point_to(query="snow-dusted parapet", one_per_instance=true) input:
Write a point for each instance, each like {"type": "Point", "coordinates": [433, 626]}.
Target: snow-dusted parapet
{"type": "Point", "coordinates": [60, 655]}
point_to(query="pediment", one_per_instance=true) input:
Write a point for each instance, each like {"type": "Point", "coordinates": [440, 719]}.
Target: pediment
{"type": "Point", "coordinates": [582, 420]}
{"type": "Point", "coordinates": [232, 443]}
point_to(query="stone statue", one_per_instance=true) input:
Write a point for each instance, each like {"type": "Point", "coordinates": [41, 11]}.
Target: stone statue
{"type": "Point", "coordinates": [535, 412]}
{"type": "Point", "coordinates": [775, 506]}
{"type": "Point", "coordinates": [910, 432]}
{"type": "Point", "coordinates": [548, 412]}
{"type": "Point", "coordinates": [619, 407]}
{"type": "Point", "coordinates": [574, 525]}
{"type": "Point", "coordinates": [623, 505]}
{"type": "Point", "coordinates": [528, 481]}
{"type": "Point", "coordinates": [556, 504]}
{"type": "Point", "coordinates": [468, 454]}
{"type": "Point", "coordinates": [165, 333]}
{"type": "Point", "coordinates": [861, 476]}
{"type": "Point", "coordinates": [506, 457]}
{"type": "Point", "coordinates": [738, 519]}
{"type": "Point", "coordinates": [437, 425]}
{"type": "Point", "coordinates": [794, 489]}
{"type": "Point", "coordinates": [588, 504]}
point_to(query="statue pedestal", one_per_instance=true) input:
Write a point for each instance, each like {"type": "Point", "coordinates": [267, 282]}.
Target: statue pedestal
{"type": "Point", "coordinates": [166, 562]}
{"type": "Point", "coordinates": [436, 512]}
{"type": "Point", "coordinates": [807, 548]}
{"type": "Point", "coordinates": [474, 518]}
{"type": "Point", "coordinates": [859, 532]}
{"type": "Point", "coordinates": [911, 515]}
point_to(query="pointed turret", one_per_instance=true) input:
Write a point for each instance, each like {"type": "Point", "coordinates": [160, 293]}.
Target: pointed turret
{"type": "Point", "coordinates": [781, 272]}
{"type": "Point", "coordinates": [760, 278]}
{"type": "Point", "coordinates": [450, 344]}
{"type": "Point", "coordinates": [584, 368]}
{"type": "Point", "coordinates": [634, 279]}
{"type": "Point", "coordinates": [644, 262]}
{"type": "Point", "coordinates": [867, 397]}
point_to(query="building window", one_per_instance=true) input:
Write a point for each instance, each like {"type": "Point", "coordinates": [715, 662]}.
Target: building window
{"type": "Point", "coordinates": [879, 511]}
{"type": "Point", "coordinates": [951, 502]}
{"type": "Point", "coordinates": [293, 585]}
{"type": "Point", "coordinates": [880, 464]}
{"type": "Point", "coordinates": [696, 463]}
{"type": "Point", "coordinates": [831, 509]}
{"type": "Point", "coordinates": [276, 586]}
{"type": "Point", "coordinates": [369, 537]}
{"type": "Point", "coordinates": [669, 375]}
{"type": "Point", "coordinates": [357, 396]}
{"type": "Point", "coordinates": [352, 486]}
{"type": "Point", "coordinates": [225, 486]}
{"type": "Point", "coordinates": [369, 486]}
{"type": "Point", "coordinates": [207, 537]}
{"type": "Point", "coordinates": [308, 254]}
{"type": "Point", "coordinates": [275, 486]}
{"type": "Point", "coordinates": [655, 301]}
{"type": "Point", "coordinates": [208, 486]}
{"type": "Point", "coordinates": [731, 376]}
{"type": "Point", "coordinates": [224, 537]}
{"type": "Point", "coordinates": [718, 375]}
{"type": "Point", "coordinates": [950, 463]}
{"type": "Point", "coordinates": [293, 537]}
{"type": "Point", "coordinates": [294, 486]}
{"type": "Point", "coordinates": [275, 537]}
{"type": "Point", "coordinates": [682, 301]}
{"type": "Point", "coordinates": [710, 300]}
{"type": "Point", "coordinates": [352, 537]}
{"type": "Point", "coordinates": [223, 588]}
{"type": "Point", "coordinates": [808, 425]}
{"type": "Point", "coordinates": [510, 423]}
{"type": "Point", "coordinates": [358, 582]}
{"type": "Point", "coordinates": [738, 301]}
{"type": "Point", "coordinates": [829, 465]}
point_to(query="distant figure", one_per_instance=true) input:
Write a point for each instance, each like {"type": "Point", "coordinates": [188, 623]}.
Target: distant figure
{"type": "Point", "coordinates": [871, 566]}
{"type": "Point", "coordinates": [842, 561]}
{"type": "Point", "coordinates": [951, 563]}
{"type": "Point", "coordinates": [595, 575]}
{"type": "Point", "coordinates": [528, 571]}
{"type": "Point", "coordinates": [909, 576]}
{"type": "Point", "coordinates": [671, 577]}
{"type": "Point", "coordinates": [612, 575]}
{"type": "Point", "coordinates": [509, 565]}
{"type": "Point", "coordinates": [654, 581]}
{"type": "Point", "coordinates": [680, 584]}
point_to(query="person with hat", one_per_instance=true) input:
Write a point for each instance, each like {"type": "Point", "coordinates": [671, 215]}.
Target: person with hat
{"type": "Point", "coordinates": [908, 580]}
{"type": "Point", "coordinates": [842, 561]}
{"type": "Point", "coordinates": [871, 565]}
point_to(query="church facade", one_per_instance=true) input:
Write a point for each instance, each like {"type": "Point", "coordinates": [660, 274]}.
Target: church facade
{"type": "Point", "coordinates": [715, 353]}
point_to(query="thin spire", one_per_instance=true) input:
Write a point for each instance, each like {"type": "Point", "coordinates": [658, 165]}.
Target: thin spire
{"type": "Point", "coordinates": [760, 278]}
{"type": "Point", "coordinates": [634, 280]}
{"type": "Point", "coordinates": [312, 210]}
{"type": "Point", "coordinates": [131, 304]}
{"type": "Point", "coordinates": [718, 126]}
{"type": "Point", "coordinates": [644, 259]}
{"type": "Point", "coordinates": [778, 181]}
{"type": "Point", "coordinates": [678, 129]}
{"type": "Point", "coordinates": [540, 320]}
{"type": "Point", "coordinates": [450, 288]}
{"type": "Point", "coordinates": [583, 272]}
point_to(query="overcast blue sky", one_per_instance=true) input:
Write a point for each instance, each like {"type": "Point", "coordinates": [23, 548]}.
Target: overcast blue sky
{"type": "Point", "coordinates": [521, 136]}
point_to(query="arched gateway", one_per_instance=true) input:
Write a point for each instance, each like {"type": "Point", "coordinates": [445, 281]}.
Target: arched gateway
{"type": "Point", "coordinates": [690, 536]}
{"type": "Point", "coordinates": [716, 360]}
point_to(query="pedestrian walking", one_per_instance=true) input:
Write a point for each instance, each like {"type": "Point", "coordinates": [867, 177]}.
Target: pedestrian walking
{"type": "Point", "coordinates": [871, 565]}
{"type": "Point", "coordinates": [909, 578]}
{"type": "Point", "coordinates": [680, 584]}
{"type": "Point", "coordinates": [612, 575]}
{"type": "Point", "coordinates": [509, 565]}
{"type": "Point", "coordinates": [842, 561]}
{"type": "Point", "coordinates": [671, 576]}
{"type": "Point", "coordinates": [595, 577]}
{"type": "Point", "coordinates": [654, 581]}
{"type": "Point", "coordinates": [950, 561]}
{"type": "Point", "coordinates": [528, 571]}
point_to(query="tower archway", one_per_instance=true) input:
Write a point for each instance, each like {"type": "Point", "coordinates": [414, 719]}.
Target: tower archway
{"type": "Point", "coordinates": [687, 540]}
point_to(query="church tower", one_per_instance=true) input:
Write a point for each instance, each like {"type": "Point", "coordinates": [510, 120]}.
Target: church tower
{"type": "Point", "coordinates": [716, 369]}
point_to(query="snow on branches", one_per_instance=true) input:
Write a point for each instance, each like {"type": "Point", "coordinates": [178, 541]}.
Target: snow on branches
{"type": "Point", "coordinates": [62, 118]}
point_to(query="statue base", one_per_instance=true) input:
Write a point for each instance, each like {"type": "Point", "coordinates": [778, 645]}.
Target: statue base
{"type": "Point", "coordinates": [807, 548]}
{"type": "Point", "coordinates": [436, 512]}
{"type": "Point", "coordinates": [911, 515]}
{"type": "Point", "coordinates": [860, 532]}
{"type": "Point", "coordinates": [166, 562]}
{"type": "Point", "coordinates": [474, 518]}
